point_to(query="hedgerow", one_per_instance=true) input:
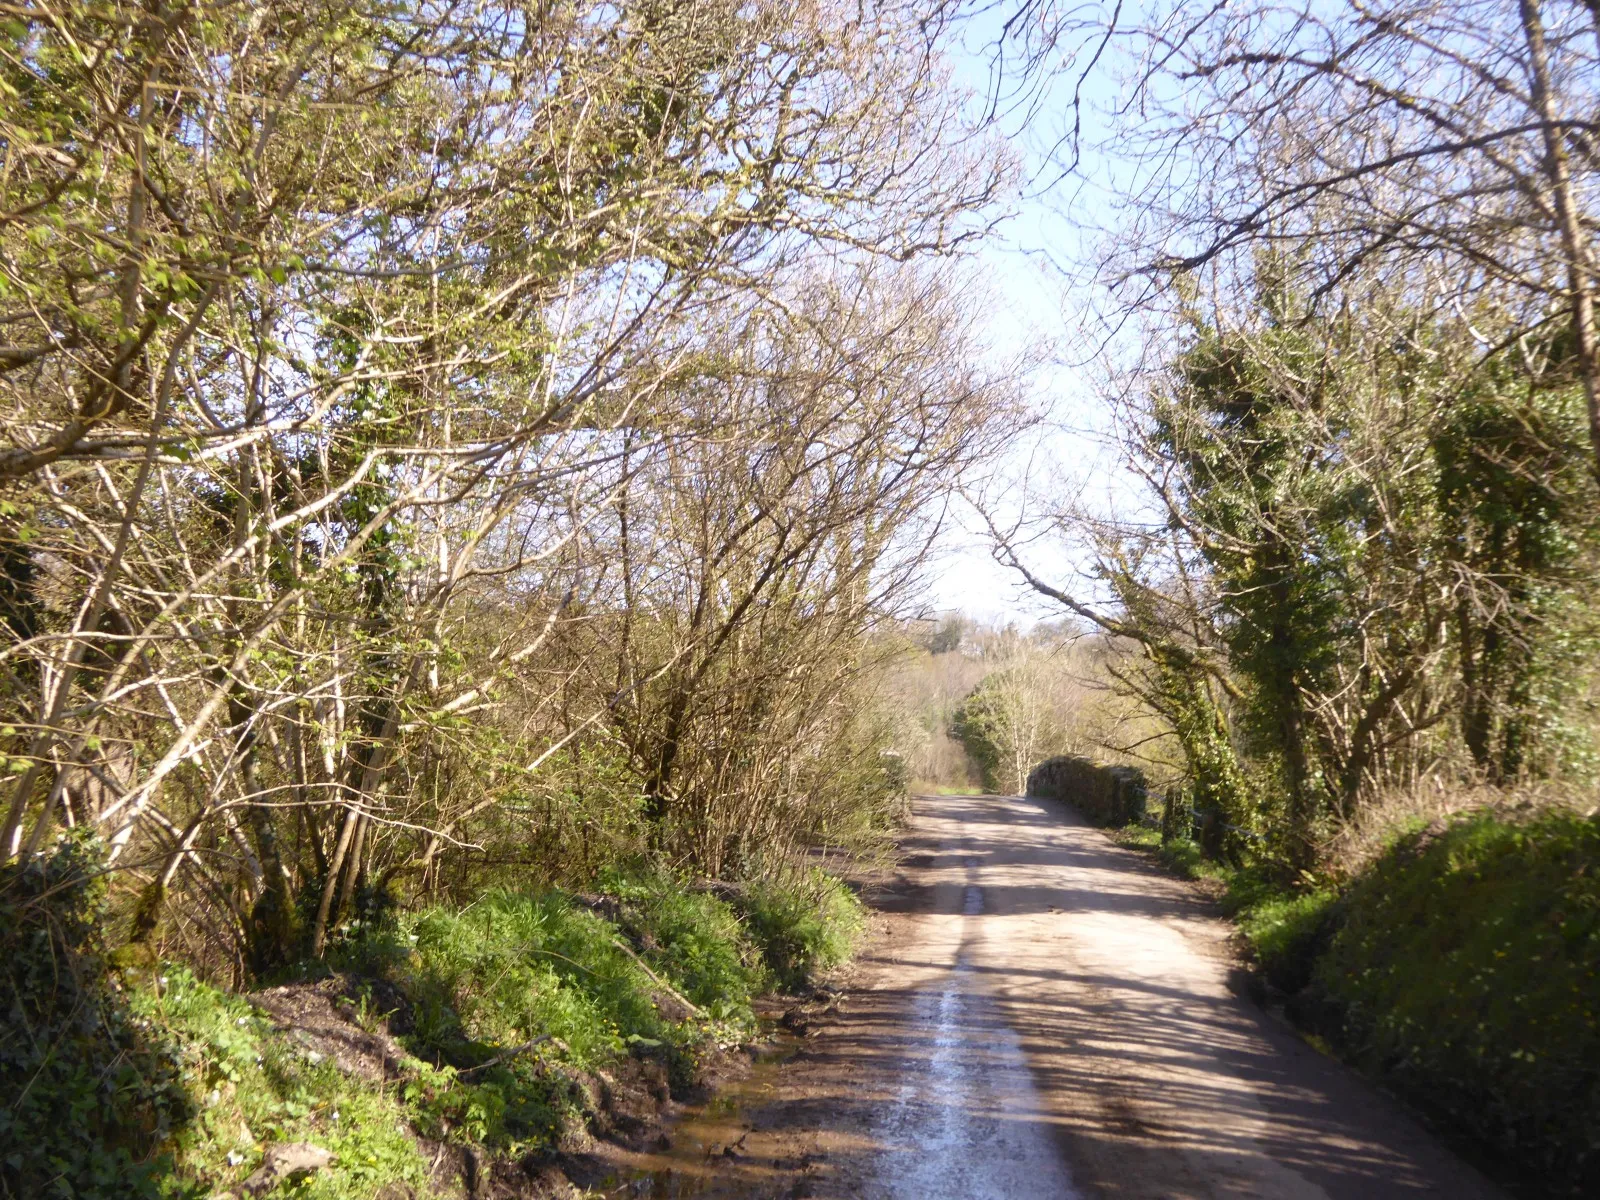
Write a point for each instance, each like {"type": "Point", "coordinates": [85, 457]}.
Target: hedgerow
{"type": "Point", "coordinates": [1465, 971]}
{"type": "Point", "coordinates": [91, 1091]}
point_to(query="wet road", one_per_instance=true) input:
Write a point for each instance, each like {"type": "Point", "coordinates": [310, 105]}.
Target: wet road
{"type": "Point", "coordinates": [967, 1120]}
{"type": "Point", "coordinates": [1044, 1014]}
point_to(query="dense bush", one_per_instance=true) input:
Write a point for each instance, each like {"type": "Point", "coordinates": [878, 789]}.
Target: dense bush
{"type": "Point", "coordinates": [804, 927]}
{"type": "Point", "coordinates": [90, 1090]}
{"type": "Point", "coordinates": [1466, 972]}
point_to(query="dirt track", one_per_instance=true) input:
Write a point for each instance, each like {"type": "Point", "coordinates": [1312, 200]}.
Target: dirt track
{"type": "Point", "coordinates": [1046, 1015]}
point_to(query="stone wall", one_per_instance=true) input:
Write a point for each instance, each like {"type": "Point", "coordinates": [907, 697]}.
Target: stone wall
{"type": "Point", "coordinates": [1105, 795]}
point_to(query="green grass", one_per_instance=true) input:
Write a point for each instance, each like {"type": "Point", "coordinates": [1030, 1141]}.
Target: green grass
{"type": "Point", "coordinates": [696, 938]}
{"type": "Point", "coordinates": [153, 1085]}
{"type": "Point", "coordinates": [805, 926]}
{"type": "Point", "coordinates": [1180, 856]}
{"type": "Point", "coordinates": [475, 982]}
{"type": "Point", "coordinates": [514, 966]}
{"type": "Point", "coordinates": [1288, 934]}
{"type": "Point", "coordinates": [252, 1089]}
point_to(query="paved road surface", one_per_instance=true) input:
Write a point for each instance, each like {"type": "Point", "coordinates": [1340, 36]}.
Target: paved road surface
{"type": "Point", "coordinates": [1047, 1016]}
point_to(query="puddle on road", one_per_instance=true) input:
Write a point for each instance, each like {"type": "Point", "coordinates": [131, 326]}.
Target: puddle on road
{"type": "Point", "coordinates": [696, 1162]}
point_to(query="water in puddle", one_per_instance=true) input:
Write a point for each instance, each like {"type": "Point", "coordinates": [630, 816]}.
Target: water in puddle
{"type": "Point", "coordinates": [694, 1165]}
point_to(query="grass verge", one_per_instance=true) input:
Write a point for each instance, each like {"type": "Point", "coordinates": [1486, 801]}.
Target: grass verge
{"type": "Point", "coordinates": [507, 1012]}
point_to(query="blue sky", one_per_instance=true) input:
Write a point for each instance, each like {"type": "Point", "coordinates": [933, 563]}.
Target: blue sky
{"type": "Point", "coordinates": [1033, 305]}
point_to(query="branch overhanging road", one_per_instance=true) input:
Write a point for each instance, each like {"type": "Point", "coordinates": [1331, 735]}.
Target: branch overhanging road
{"type": "Point", "coordinates": [1046, 1015]}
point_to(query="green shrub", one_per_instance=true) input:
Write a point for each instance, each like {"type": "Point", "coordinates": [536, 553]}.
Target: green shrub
{"type": "Point", "coordinates": [253, 1089]}
{"type": "Point", "coordinates": [1288, 934]}
{"type": "Point", "coordinates": [1467, 973]}
{"type": "Point", "coordinates": [979, 725]}
{"type": "Point", "coordinates": [90, 1091]}
{"type": "Point", "coordinates": [1182, 856]}
{"type": "Point", "coordinates": [695, 939]}
{"type": "Point", "coordinates": [804, 925]}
